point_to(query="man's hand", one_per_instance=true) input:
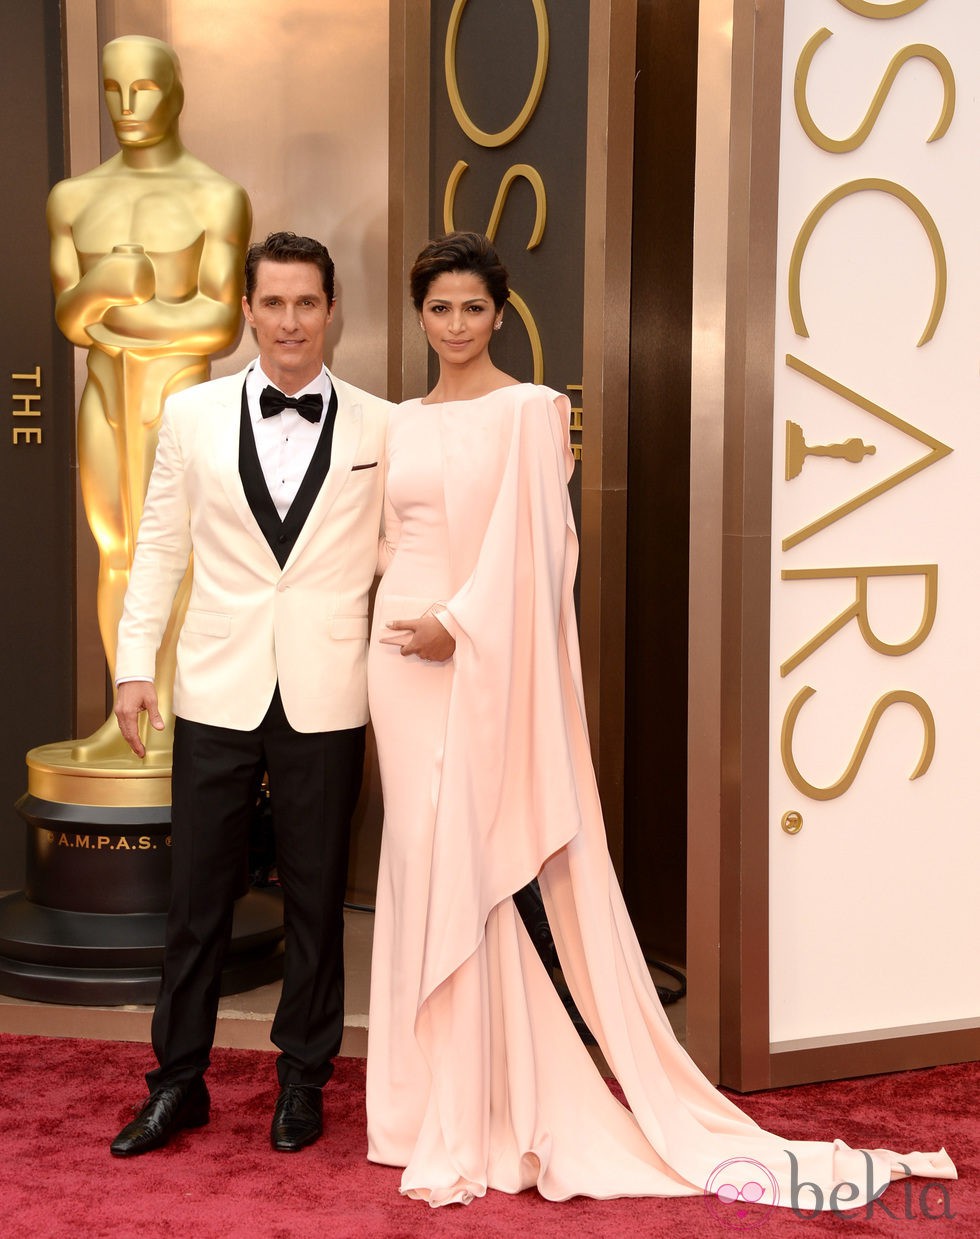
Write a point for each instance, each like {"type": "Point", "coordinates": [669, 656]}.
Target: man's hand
{"type": "Point", "coordinates": [132, 698]}
{"type": "Point", "coordinates": [428, 639]}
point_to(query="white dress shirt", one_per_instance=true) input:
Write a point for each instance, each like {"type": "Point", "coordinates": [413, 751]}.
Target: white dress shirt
{"type": "Point", "coordinates": [285, 443]}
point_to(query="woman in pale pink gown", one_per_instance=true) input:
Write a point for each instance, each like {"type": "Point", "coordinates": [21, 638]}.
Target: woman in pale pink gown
{"type": "Point", "coordinates": [476, 1076]}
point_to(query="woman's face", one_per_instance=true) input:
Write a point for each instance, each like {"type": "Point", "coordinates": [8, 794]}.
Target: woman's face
{"type": "Point", "coordinates": [458, 315]}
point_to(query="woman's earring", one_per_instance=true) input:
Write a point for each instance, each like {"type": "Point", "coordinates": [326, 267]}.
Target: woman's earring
{"type": "Point", "coordinates": [498, 324]}
{"type": "Point", "coordinates": [421, 325]}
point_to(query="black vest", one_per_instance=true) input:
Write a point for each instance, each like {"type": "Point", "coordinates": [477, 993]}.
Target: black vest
{"type": "Point", "coordinates": [279, 533]}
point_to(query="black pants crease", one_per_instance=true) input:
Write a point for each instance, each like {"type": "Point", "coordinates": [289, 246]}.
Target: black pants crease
{"type": "Point", "coordinates": [314, 780]}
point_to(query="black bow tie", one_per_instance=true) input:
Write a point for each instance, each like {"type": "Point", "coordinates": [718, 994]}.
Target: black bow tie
{"type": "Point", "coordinates": [272, 401]}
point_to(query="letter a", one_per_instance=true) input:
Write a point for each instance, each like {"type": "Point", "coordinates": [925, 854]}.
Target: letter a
{"type": "Point", "coordinates": [937, 451]}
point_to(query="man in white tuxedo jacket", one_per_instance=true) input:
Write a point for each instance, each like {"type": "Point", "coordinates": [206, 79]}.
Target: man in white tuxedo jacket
{"type": "Point", "coordinates": [273, 478]}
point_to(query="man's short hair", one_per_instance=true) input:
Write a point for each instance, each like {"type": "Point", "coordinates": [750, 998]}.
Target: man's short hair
{"type": "Point", "coordinates": [288, 247]}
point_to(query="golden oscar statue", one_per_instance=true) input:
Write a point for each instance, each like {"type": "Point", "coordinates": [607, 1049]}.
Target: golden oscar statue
{"type": "Point", "coordinates": [146, 258]}
{"type": "Point", "coordinates": [147, 255]}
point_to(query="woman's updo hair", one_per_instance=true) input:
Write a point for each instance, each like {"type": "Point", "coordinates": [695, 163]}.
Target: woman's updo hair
{"type": "Point", "coordinates": [459, 251]}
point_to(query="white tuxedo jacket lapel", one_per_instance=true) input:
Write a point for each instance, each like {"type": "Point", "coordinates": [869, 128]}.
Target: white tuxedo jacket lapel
{"type": "Point", "coordinates": [224, 422]}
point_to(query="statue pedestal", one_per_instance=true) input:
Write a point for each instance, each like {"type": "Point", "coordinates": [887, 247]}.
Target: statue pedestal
{"type": "Point", "coordinates": [89, 926]}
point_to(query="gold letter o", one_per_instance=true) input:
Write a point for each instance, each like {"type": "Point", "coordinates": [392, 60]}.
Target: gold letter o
{"type": "Point", "coordinates": [881, 12]}
{"type": "Point", "coordinates": [540, 71]}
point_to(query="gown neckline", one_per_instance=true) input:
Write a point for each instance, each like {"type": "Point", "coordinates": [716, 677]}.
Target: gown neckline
{"type": "Point", "coordinates": [432, 404]}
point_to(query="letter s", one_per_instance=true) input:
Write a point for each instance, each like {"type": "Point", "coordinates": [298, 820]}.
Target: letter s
{"type": "Point", "coordinates": [857, 757]}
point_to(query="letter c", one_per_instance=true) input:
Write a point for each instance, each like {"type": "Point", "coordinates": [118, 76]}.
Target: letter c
{"type": "Point", "coordinates": [821, 209]}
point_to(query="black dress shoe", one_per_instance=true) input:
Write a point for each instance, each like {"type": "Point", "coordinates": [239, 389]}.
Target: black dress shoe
{"type": "Point", "coordinates": [298, 1118]}
{"type": "Point", "coordinates": [166, 1111]}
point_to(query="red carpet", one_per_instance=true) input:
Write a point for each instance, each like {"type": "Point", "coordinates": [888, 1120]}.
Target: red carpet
{"type": "Point", "coordinates": [61, 1101]}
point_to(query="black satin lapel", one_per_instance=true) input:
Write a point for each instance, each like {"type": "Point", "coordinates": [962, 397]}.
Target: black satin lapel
{"type": "Point", "coordinates": [281, 534]}
{"type": "Point", "coordinates": [253, 483]}
{"type": "Point", "coordinates": [315, 475]}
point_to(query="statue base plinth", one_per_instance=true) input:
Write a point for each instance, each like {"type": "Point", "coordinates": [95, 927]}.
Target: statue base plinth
{"type": "Point", "coordinates": [94, 960]}
{"type": "Point", "coordinates": [89, 926]}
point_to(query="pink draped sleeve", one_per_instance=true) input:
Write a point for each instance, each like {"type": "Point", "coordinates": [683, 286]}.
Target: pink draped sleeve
{"type": "Point", "coordinates": [506, 798]}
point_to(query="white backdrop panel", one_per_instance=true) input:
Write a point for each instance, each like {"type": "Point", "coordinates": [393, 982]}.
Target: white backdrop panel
{"type": "Point", "coordinates": [874, 905]}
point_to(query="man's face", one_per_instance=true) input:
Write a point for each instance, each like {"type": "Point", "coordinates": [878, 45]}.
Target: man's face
{"type": "Point", "coordinates": [140, 92]}
{"type": "Point", "coordinates": [290, 314]}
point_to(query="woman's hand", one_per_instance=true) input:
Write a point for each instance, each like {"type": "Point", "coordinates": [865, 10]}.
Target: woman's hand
{"type": "Point", "coordinates": [428, 639]}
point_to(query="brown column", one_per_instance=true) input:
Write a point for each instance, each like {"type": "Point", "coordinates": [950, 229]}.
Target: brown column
{"type": "Point", "coordinates": [408, 188]}
{"type": "Point", "coordinates": [655, 777]}
{"type": "Point", "coordinates": [605, 383]}
{"type": "Point", "coordinates": [731, 463]}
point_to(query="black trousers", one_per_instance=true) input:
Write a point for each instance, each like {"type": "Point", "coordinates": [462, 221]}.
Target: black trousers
{"type": "Point", "coordinates": [314, 780]}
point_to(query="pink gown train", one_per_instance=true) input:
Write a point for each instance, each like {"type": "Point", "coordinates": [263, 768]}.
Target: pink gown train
{"type": "Point", "coordinates": [476, 1077]}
